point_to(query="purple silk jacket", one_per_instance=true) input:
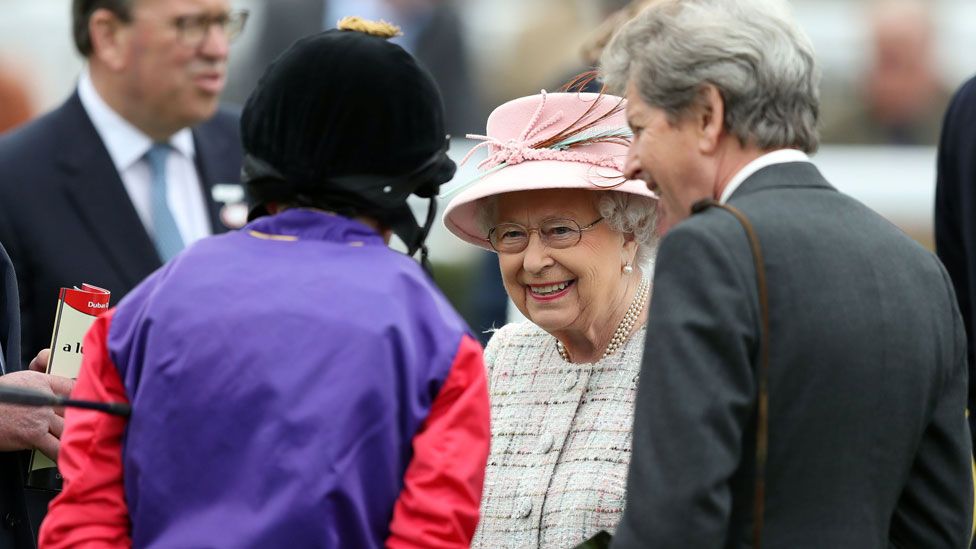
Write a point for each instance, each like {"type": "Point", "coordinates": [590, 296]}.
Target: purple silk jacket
{"type": "Point", "coordinates": [278, 377]}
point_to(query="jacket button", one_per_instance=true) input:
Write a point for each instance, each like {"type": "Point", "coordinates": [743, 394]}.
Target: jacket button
{"type": "Point", "coordinates": [10, 520]}
{"type": "Point", "coordinates": [545, 443]}
{"type": "Point", "coordinates": [570, 381]}
{"type": "Point", "coordinates": [523, 509]}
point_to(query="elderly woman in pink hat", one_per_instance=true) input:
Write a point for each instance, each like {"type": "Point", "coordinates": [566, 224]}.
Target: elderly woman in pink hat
{"type": "Point", "coordinates": [575, 244]}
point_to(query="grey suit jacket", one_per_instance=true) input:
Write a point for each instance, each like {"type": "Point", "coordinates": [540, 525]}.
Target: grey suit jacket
{"type": "Point", "coordinates": [868, 444]}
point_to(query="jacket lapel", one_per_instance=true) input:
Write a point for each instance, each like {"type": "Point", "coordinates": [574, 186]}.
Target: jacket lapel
{"type": "Point", "coordinates": [214, 150]}
{"type": "Point", "coordinates": [9, 316]}
{"type": "Point", "coordinates": [94, 187]}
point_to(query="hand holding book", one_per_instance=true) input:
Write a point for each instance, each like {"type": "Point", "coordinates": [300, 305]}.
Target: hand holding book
{"type": "Point", "coordinates": [39, 364]}
{"type": "Point", "coordinates": [22, 428]}
{"type": "Point", "coordinates": [77, 310]}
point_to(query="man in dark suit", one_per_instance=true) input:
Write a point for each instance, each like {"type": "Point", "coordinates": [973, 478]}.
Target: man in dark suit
{"type": "Point", "coordinates": [867, 442]}
{"type": "Point", "coordinates": [105, 188]}
{"type": "Point", "coordinates": [21, 428]}
{"type": "Point", "coordinates": [955, 213]}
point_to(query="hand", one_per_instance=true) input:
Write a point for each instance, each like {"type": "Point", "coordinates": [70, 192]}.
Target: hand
{"type": "Point", "coordinates": [39, 364]}
{"type": "Point", "coordinates": [25, 427]}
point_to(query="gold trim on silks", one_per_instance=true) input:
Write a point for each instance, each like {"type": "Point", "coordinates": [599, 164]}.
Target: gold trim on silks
{"type": "Point", "coordinates": [972, 534]}
{"type": "Point", "coordinates": [972, 461]}
{"type": "Point", "coordinates": [291, 238]}
{"type": "Point", "coordinates": [266, 236]}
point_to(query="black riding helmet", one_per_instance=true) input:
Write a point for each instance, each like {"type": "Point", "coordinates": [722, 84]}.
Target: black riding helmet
{"type": "Point", "coordinates": [347, 121]}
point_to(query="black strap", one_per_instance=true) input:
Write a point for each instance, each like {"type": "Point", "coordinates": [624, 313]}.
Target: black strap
{"type": "Point", "coordinates": [762, 416]}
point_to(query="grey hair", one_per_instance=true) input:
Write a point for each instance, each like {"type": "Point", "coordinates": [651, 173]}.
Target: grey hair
{"type": "Point", "coordinates": [629, 213]}
{"type": "Point", "coordinates": [751, 50]}
{"type": "Point", "coordinates": [625, 213]}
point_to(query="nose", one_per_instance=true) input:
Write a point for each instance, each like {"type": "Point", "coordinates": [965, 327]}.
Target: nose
{"type": "Point", "coordinates": [632, 167]}
{"type": "Point", "coordinates": [535, 257]}
{"type": "Point", "coordinates": [216, 43]}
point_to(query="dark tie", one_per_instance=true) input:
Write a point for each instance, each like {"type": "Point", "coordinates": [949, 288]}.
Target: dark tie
{"type": "Point", "coordinates": [166, 233]}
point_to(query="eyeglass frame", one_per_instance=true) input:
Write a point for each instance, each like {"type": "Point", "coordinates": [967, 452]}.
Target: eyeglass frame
{"type": "Point", "coordinates": [542, 238]}
{"type": "Point", "coordinates": [202, 23]}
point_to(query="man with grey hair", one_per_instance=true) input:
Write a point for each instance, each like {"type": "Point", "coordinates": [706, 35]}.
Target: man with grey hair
{"type": "Point", "coordinates": [817, 400]}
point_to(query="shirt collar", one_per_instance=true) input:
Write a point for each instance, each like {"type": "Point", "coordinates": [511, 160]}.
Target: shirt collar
{"type": "Point", "coordinates": [781, 156]}
{"type": "Point", "coordinates": [126, 144]}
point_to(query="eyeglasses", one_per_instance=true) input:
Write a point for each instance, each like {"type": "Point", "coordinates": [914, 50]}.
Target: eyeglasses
{"type": "Point", "coordinates": [193, 29]}
{"type": "Point", "coordinates": [512, 238]}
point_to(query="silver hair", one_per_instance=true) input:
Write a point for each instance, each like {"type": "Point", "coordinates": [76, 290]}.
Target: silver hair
{"type": "Point", "coordinates": [629, 213]}
{"type": "Point", "coordinates": [625, 213]}
{"type": "Point", "coordinates": [751, 50]}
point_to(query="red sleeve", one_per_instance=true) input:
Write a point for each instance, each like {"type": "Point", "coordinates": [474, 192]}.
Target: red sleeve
{"type": "Point", "coordinates": [90, 512]}
{"type": "Point", "coordinates": [438, 507]}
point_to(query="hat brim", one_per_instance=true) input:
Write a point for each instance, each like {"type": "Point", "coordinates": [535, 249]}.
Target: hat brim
{"type": "Point", "coordinates": [461, 215]}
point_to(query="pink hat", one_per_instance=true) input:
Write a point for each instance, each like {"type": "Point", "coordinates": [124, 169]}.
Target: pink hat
{"type": "Point", "coordinates": [547, 141]}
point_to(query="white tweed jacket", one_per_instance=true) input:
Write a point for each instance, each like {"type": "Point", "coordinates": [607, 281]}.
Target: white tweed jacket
{"type": "Point", "coordinates": [560, 441]}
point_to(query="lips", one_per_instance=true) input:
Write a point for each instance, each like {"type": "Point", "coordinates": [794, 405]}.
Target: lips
{"type": "Point", "coordinates": [550, 291]}
{"type": "Point", "coordinates": [210, 82]}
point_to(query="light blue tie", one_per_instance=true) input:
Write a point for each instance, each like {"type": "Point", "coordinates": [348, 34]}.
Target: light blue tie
{"type": "Point", "coordinates": [167, 234]}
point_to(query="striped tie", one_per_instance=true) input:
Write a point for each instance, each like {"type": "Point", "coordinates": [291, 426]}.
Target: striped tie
{"type": "Point", "coordinates": [167, 235]}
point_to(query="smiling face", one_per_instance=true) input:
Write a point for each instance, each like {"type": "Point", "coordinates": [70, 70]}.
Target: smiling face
{"type": "Point", "coordinates": [665, 156]}
{"type": "Point", "coordinates": [571, 289]}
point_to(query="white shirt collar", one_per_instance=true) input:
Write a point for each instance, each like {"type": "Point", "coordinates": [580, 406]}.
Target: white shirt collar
{"type": "Point", "coordinates": [126, 144]}
{"type": "Point", "coordinates": [781, 156]}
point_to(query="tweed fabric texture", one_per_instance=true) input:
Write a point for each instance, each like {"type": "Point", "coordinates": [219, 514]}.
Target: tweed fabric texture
{"type": "Point", "coordinates": [561, 437]}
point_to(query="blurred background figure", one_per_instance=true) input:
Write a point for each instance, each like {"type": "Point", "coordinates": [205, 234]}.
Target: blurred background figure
{"type": "Point", "coordinates": [902, 95]}
{"type": "Point", "coordinates": [16, 102]}
{"type": "Point", "coordinates": [616, 14]}
{"type": "Point", "coordinates": [955, 214]}
{"type": "Point", "coordinates": [124, 171]}
{"type": "Point", "coordinates": [432, 32]}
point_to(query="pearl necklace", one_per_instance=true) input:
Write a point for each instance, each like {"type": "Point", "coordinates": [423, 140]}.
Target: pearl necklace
{"type": "Point", "coordinates": [622, 333]}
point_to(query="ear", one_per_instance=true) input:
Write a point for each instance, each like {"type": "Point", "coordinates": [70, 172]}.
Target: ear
{"type": "Point", "coordinates": [110, 38]}
{"type": "Point", "coordinates": [710, 119]}
{"type": "Point", "coordinates": [629, 251]}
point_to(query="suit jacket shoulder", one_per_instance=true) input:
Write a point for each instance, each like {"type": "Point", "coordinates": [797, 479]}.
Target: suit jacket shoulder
{"type": "Point", "coordinates": [9, 315]}
{"type": "Point", "coordinates": [38, 137]}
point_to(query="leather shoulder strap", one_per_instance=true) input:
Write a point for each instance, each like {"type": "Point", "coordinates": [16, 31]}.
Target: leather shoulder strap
{"type": "Point", "coordinates": [762, 416]}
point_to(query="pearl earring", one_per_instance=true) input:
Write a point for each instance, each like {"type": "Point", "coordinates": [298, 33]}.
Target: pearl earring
{"type": "Point", "coordinates": [628, 268]}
